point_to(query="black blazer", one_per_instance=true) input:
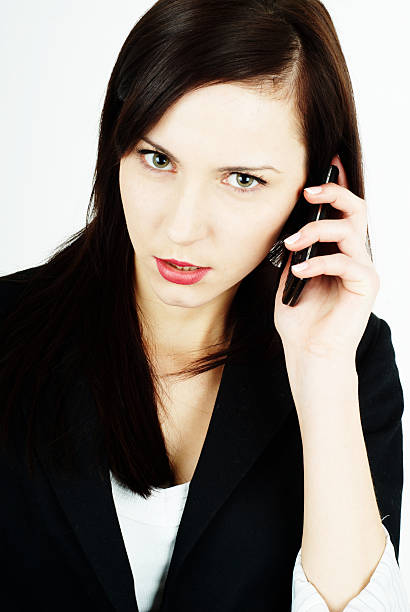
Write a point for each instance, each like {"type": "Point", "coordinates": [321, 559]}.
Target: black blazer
{"type": "Point", "coordinates": [241, 529]}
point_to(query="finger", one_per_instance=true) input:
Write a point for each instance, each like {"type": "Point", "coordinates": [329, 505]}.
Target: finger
{"type": "Point", "coordinates": [356, 277]}
{"type": "Point", "coordinates": [340, 231]}
{"type": "Point", "coordinates": [339, 197]}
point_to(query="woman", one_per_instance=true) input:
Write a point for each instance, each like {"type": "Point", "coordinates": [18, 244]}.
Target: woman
{"type": "Point", "coordinates": [174, 437]}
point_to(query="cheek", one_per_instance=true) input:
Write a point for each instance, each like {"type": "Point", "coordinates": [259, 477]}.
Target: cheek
{"type": "Point", "coordinates": [262, 227]}
{"type": "Point", "coordinates": [246, 239]}
{"type": "Point", "coordinates": [141, 213]}
{"type": "Point", "coordinates": [138, 201]}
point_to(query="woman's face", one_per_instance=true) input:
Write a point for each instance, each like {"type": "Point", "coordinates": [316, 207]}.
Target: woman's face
{"type": "Point", "coordinates": [181, 204]}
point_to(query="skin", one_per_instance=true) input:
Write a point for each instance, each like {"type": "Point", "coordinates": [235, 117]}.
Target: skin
{"type": "Point", "coordinates": [191, 212]}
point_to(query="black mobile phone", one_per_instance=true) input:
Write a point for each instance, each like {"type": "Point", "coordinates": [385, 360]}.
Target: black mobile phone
{"type": "Point", "coordinates": [311, 212]}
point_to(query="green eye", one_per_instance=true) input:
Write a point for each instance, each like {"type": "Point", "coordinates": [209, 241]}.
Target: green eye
{"type": "Point", "coordinates": [158, 156]}
{"type": "Point", "coordinates": [248, 180]}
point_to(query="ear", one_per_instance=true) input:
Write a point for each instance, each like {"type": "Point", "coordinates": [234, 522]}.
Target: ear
{"type": "Point", "coordinates": [342, 178]}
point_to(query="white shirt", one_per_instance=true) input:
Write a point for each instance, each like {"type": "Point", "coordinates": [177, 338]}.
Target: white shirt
{"type": "Point", "coordinates": [150, 526]}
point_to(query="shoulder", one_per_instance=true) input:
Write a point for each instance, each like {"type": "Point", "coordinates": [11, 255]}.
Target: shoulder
{"type": "Point", "coordinates": [380, 389]}
{"type": "Point", "coordinates": [13, 286]}
{"type": "Point", "coordinates": [376, 340]}
{"type": "Point", "coordinates": [375, 356]}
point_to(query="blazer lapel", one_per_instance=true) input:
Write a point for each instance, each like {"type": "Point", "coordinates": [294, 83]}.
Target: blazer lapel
{"type": "Point", "coordinates": [250, 408]}
{"type": "Point", "coordinates": [88, 504]}
{"type": "Point", "coordinates": [244, 420]}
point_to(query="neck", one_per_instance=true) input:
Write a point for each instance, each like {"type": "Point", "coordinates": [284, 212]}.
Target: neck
{"type": "Point", "coordinates": [179, 333]}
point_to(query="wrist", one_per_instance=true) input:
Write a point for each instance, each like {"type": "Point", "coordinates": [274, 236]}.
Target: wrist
{"type": "Point", "coordinates": [322, 387]}
{"type": "Point", "coordinates": [318, 359]}
{"type": "Point", "coordinates": [317, 353]}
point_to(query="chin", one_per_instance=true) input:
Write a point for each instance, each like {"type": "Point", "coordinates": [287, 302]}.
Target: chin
{"type": "Point", "coordinates": [181, 302]}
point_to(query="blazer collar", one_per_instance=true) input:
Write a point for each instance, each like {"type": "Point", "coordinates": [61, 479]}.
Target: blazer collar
{"type": "Point", "coordinates": [251, 405]}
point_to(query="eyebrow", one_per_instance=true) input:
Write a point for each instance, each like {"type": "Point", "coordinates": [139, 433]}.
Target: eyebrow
{"type": "Point", "coordinates": [223, 169]}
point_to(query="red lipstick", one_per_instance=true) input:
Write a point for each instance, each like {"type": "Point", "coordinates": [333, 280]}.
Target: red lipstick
{"type": "Point", "coordinates": [181, 263]}
{"type": "Point", "coordinates": [180, 277]}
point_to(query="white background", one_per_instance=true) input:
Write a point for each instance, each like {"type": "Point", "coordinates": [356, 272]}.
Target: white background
{"type": "Point", "coordinates": [56, 59]}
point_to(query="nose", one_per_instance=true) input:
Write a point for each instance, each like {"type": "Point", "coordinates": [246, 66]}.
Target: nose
{"type": "Point", "coordinates": [187, 221]}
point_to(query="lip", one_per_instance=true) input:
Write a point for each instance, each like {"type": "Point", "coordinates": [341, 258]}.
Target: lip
{"type": "Point", "coordinates": [181, 263]}
{"type": "Point", "coordinates": [180, 277]}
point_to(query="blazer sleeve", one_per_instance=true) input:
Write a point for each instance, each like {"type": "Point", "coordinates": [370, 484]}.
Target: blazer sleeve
{"type": "Point", "coordinates": [381, 409]}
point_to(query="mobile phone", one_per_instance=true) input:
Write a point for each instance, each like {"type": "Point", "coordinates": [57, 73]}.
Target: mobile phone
{"type": "Point", "coordinates": [311, 212]}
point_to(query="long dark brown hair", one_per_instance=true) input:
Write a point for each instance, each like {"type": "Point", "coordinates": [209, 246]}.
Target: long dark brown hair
{"type": "Point", "coordinates": [76, 313]}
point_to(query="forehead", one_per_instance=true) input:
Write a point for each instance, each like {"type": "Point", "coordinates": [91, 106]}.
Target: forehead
{"type": "Point", "coordinates": [232, 122]}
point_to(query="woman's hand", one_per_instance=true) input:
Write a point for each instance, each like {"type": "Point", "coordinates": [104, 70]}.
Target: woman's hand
{"type": "Point", "coordinates": [334, 306]}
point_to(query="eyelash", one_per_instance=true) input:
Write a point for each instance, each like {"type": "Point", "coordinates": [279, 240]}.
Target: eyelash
{"type": "Point", "coordinates": [259, 179]}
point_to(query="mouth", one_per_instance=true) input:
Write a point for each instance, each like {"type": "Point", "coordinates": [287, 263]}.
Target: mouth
{"type": "Point", "coordinates": [182, 265]}
{"type": "Point", "coordinates": [181, 275]}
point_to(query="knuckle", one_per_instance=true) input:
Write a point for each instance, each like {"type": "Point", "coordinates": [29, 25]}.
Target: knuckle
{"type": "Point", "coordinates": [326, 264]}
{"type": "Point", "coordinates": [376, 278]}
{"type": "Point", "coordinates": [342, 259]}
{"type": "Point", "coordinates": [361, 201]}
{"type": "Point", "coordinates": [371, 271]}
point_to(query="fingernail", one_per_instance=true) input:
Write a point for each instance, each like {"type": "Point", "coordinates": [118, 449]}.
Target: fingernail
{"type": "Point", "coordinates": [299, 267]}
{"type": "Point", "coordinates": [292, 238]}
{"type": "Point", "coordinates": [313, 190]}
